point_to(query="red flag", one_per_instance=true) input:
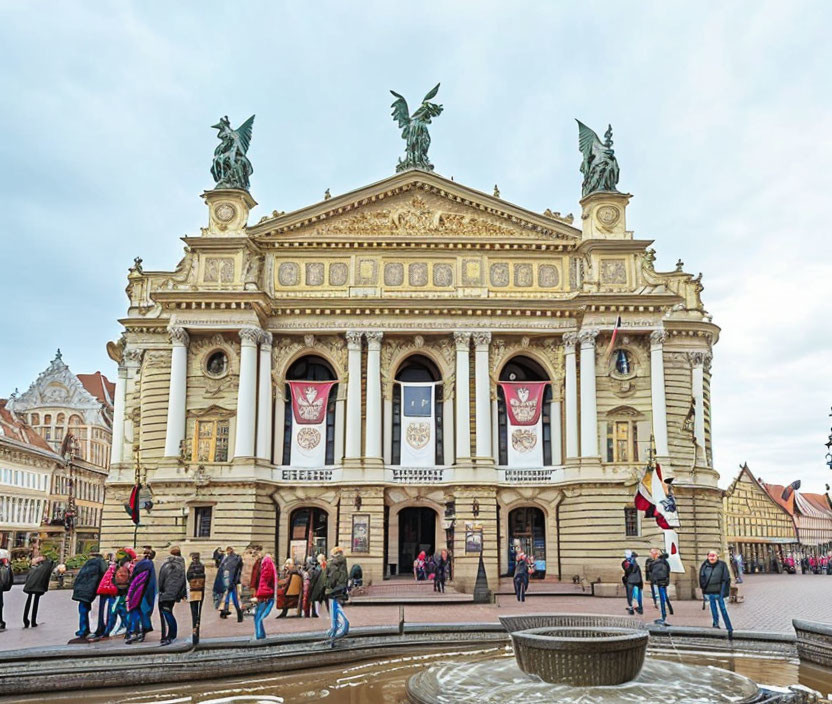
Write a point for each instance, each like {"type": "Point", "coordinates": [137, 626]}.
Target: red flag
{"type": "Point", "coordinates": [132, 505]}
{"type": "Point", "coordinates": [614, 335]}
{"type": "Point", "coordinates": [524, 401]}
{"type": "Point", "coordinates": [309, 400]}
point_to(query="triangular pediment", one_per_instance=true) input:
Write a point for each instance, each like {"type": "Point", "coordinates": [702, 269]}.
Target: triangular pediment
{"type": "Point", "coordinates": [416, 205]}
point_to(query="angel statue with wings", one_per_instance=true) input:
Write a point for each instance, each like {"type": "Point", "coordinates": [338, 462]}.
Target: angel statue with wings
{"type": "Point", "coordinates": [231, 167]}
{"type": "Point", "coordinates": [415, 130]}
{"type": "Point", "coordinates": [599, 167]}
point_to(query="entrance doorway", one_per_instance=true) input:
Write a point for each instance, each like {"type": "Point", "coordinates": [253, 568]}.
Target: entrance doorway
{"type": "Point", "coordinates": [527, 526]}
{"type": "Point", "coordinates": [307, 533]}
{"type": "Point", "coordinates": [417, 532]}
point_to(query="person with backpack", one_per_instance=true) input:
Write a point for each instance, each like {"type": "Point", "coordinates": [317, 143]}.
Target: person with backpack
{"type": "Point", "coordinates": [633, 582]}
{"type": "Point", "coordinates": [522, 568]}
{"type": "Point", "coordinates": [172, 588]}
{"type": "Point", "coordinates": [37, 584]}
{"type": "Point", "coordinates": [84, 590]}
{"type": "Point", "coordinates": [660, 580]}
{"type": "Point", "coordinates": [140, 586]}
{"type": "Point", "coordinates": [196, 593]}
{"type": "Point", "coordinates": [6, 581]}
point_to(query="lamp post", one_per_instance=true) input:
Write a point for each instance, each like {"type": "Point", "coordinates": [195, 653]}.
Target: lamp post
{"type": "Point", "coordinates": [829, 448]}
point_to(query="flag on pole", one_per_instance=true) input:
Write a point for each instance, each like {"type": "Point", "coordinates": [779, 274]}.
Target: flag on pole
{"type": "Point", "coordinates": [132, 505]}
{"type": "Point", "coordinates": [614, 336]}
{"type": "Point", "coordinates": [659, 504]}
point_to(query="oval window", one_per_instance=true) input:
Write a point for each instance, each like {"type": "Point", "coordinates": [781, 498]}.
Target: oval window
{"type": "Point", "coordinates": [217, 364]}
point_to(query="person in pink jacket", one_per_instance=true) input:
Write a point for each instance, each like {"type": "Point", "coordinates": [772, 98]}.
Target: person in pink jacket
{"type": "Point", "coordinates": [107, 593]}
{"type": "Point", "coordinates": [264, 595]}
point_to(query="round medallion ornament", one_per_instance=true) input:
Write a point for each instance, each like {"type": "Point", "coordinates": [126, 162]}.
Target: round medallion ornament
{"type": "Point", "coordinates": [608, 215]}
{"type": "Point", "coordinates": [225, 212]}
{"type": "Point", "coordinates": [523, 440]}
{"type": "Point", "coordinates": [309, 438]}
{"type": "Point", "coordinates": [418, 435]}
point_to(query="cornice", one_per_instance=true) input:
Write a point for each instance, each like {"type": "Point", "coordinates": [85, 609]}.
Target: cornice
{"type": "Point", "coordinates": [613, 245]}
{"type": "Point", "coordinates": [414, 242]}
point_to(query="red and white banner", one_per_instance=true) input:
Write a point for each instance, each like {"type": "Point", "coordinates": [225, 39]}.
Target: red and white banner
{"type": "Point", "coordinates": [655, 502]}
{"type": "Point", "coordinates": [310, 400]}
{"type": "Point", "coordinates": [524, 410]}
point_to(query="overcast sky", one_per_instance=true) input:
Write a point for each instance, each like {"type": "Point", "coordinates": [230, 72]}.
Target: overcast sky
{"type": "Point", "coordinates": [722, 116]}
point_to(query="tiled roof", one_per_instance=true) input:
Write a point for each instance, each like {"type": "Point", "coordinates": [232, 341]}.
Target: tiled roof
{"type": "Point", "coordinates": [775, 491]}
{"type": "Point", "coordinates": [14, 427]}
{"type": "Point", "coordinates": [99, 386]}
{"type": "Point", "coordinates": [819, 502]}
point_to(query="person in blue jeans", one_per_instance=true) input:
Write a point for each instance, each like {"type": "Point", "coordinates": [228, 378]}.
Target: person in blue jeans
{"type": "Point", "coordinates": [633, 582]}
{"type": "Point", "coordinates": [264, 593]}
{"type": "Point", "coordinates": [660, 576]}
{"type": "Point", "coordinates": [84, 591]}
{"type": "Point", "coordinates": [715, 581]}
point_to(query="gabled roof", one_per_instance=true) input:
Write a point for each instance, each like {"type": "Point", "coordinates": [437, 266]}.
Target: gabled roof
{"type": "Point", "coordinates": [99, 386]}
{"type": "Point", "coordinates": [745, 471]}
{"type": "Point", "coordinates": [820, 502]}
{"type": "Point", "coordinates": [15, 428]}
{"type": "Point", "coordinates": [775, 491]}
{"type": "Point", "coordinates": [812, 505]}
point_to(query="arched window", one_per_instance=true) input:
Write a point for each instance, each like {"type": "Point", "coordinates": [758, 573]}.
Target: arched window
{"type": "Point", "coordinates": [419, 369]}
{"type": "Point", "coordinates": [34, 419]}
{"type": "Point", "coordinates": [310, 368]}
{"type": "Point", "coordinates": [308, 531]}
{"type": "Point", "coordinates": [524, 369]}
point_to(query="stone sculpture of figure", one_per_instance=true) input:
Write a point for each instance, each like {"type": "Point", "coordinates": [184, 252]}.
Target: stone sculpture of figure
{"type": "Point", "coordinates": [599, 167]}
{"type": "Point", "coordinates": [415, 130]}
{"type": "Point", "coordinates": [231, 167]}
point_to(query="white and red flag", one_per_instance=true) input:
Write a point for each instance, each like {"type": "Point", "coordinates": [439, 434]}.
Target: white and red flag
{"type": "Point", "coordinates": [524, 412]}
{"type": "Point", "coordinates": [658, 503]}
{"type": "Point", "coordinates": [310, 400]}
{"type": "Point", "coordinates": [614, 336]}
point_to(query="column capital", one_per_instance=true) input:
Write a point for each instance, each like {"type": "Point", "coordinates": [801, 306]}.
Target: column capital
{"type": "Point", "coordinates": [132, 356]}
{"type": "Point", "coordinates": [587, 337]}
{"type": "Point", "coordinates": [658, 337]}
{"type": "Point", "coordinates": [250, 335]}
{"type": "Point", "coordinates": [179, 336]}
{"type": "Point", "coordinates": [266, 338]}
{"type": "Point", "coordinates": [462, 339]}
{"type": "Point", "coordinates": [353, 339]}
{"type": "Point", "coordinates": [570, 339]}
{"type": "Point", "coordinates": [482, 339]}
{"type": "Point", "coordinates": [374, 339]}
{"type": "Point", "coordinates": [699, 358]}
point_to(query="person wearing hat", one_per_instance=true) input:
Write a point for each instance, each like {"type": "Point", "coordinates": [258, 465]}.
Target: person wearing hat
{"type": "Point", "coordinates": [633, 582]}
{"type": "Point", "coordinates": [6, 581]}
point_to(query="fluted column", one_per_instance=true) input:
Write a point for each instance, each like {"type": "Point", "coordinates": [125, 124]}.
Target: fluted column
{"type": "Point", "coordinates": [570, 340]}
{"type": "Point", "coordinates": [482, 387]}
{"type": "Point", "coordinates": [247, 393]}
{"type": "Point", "coordinates": [178, 388]}
{"type": "Point", "coordinates": [264, 398]}
{"type": "Point", "coordinates": [698, 361]}
{"type": "Point", "coordinates": [118, 415]}
{"type": "Point", "coordinates": [657, 393]}
{"type": "Point", "coordinates": [463, 397]}
{"type": "Point", "coordinates": [372, 439]}
{"type": "Point", "coordinates": [352, 447]}
{"type": "Point", "coordinates": [589, 408]}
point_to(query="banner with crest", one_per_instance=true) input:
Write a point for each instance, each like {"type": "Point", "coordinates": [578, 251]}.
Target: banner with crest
{"type": "Point", "coordinates": [418, 424]}
{"type": "Point", "coordinates": [524, 413]}
{"type": "Point", "coordinates": [309, 404]}
{"type": "Point", "coordinates": [654, 496]}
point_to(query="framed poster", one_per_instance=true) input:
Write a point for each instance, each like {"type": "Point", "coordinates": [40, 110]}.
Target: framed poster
{"type": "Point", "coordinates": [473, 538]}
{"type": "Point", "coordinates": [297, 551]}
{"type": "Point", "coordinates": [361, 532]}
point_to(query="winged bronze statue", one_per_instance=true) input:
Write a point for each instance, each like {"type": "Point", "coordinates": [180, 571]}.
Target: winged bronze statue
{"type": "Point", "coordinates": [599, 167]}
{"type": "Point", "coordinates": [415, 130]}
{"type": "Point", "coordinates": [231, 167]}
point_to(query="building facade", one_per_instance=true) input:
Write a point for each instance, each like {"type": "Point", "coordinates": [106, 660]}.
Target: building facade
{"type": "Point", "coordinates": [811, 515]}
{"type": "Point", "coordinates": [414, 365]}
{"type": "Point", "coordinates": [756, 526]}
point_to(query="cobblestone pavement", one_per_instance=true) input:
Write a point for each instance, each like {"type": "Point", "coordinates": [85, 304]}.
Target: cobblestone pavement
{"type": "Point", "coordinates": [771, 602]}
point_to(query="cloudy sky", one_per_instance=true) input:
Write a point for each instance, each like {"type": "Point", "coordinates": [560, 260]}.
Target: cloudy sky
{"type": "Point", "coordinates": [722, 115]}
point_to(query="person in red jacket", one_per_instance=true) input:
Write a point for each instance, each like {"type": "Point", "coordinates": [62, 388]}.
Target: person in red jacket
{"type": "Point", "coordinates": [107, 593]}
{"type": "Point", "coordinates": [266, 582]}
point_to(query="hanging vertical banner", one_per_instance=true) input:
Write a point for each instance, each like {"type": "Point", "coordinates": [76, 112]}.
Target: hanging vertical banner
{"type": "Point", "coordinates": [524, 410]}
{"type": "Point", "coordinates": [659, 504]}
{"type": "Point", "coordinates": [418, 425]}
{"type": "Point", "coordinates": [310, 400]}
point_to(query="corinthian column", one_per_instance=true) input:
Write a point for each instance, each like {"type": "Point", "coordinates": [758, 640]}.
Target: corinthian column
{"type": "Point", "coordinates": [264, 399]}
{"type": "Point", "coordinates": [463, 398]}
{"type": "Point", "coordinates": [372, 441]}
{"type": "Point", "coordinates": [482, 387]}
{"type": "Point", "coordinates": [352, 447]}
{"type": "Point", "coordinates": [589, 409]}
{"type": "Point", "coordinates": [698, 361]}
{"type": "Point", "coordinates": [176, 396]}
{"type": "Point", "coordinates": [657, 394]}
{"type": "Point", "coordinates": [570, 340]}
{"type": "Point", "coordinates": [247, 392]}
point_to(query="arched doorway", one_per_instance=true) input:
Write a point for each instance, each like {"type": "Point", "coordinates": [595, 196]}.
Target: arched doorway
{"type": "Point", "coordinates": [527, 526]}
{"type": "Point", "coordinates": [310, 368]}
{"type": "Point", "coordinates": [417, 532]}
{"type": "Point", "coordinates": [308, 533]}
{"type": "Point", "coordinates": [524, 369]}
{"type": "Point", "coordinates": [417, 376]}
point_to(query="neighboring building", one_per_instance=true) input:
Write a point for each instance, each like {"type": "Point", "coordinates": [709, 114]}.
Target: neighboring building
{"type": "Point", "coordinates": [757, 526]}
{"type": "Point", "coordinates": [73, 415]}
{"type": "Point", "coordinates": [417, 298]}
{"type": "Point", "coordinates": [26, 466]}
{"type": "Point", "coordinates": [811, 514]}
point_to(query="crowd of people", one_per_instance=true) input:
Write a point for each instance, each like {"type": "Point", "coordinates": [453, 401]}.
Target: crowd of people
{"type": "Point", "coordinates": [127, 588]}
{"type": "Point", "coordinates": [435, 568]}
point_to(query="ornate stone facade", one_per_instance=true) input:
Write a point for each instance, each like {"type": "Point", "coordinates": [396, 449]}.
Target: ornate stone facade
{"type": "Point", "coordinates": [415, 282]}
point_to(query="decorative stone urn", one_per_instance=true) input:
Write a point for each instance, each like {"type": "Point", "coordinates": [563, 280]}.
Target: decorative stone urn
{"type": "Point", "coordinates": [581, 655]}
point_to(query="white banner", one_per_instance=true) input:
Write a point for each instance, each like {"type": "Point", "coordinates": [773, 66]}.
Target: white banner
{"type": "Point", "coordinates": [418, 425]}
{"type": "Point", "coordinates": [309, 404]}
{"type": "Point", "coordinates": [525, 444]}
{"type": "Point", "coordinates": [524, 422]}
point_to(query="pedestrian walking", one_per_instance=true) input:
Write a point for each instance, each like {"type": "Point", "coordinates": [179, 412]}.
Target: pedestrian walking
{"type": "Point", "coordinates": [266, 585]}
{"type": "Point", "coordinates": [660, 581]}
{"type": "Point", "coordinates": [443, 570]}
{"type": "Point", "coordinates": [741, 565]}
{"type": "Point", "coordinates": [36, 585]}
{"type": "Point", "coordinates": [336, 594]}
{"type": "Point", "coordinates": [85, 590]}
{"type": "Point", "coordinates": [226, 584]}
{"type": "Point", "coordinates": [317, 587]}
{"type": "Point", "coordinates": [715, 581]}
{"type": "Point", "coordinates": [633, 582]}
{"type": "Point", "coordinates": [6, 581]}
{"type": "Point", "coordinates": [648, 568]}
{"type": "Point", "coordinates": [172, 588]}
{"type": "Point", "coordinates": [521, 575]}
{"type": "Point", "coordinates": [137, 592]}
{"type": "Point", "coordinates": [196, 593]}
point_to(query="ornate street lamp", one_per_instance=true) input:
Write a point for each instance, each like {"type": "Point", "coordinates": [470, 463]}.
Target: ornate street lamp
{"type": "Point", "coordinates": [829, 448]}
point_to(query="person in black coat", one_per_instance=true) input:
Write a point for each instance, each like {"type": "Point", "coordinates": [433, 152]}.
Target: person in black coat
{"type": "Point", "coordinates": [85, 590]}
{"type": "Point", "coordinates": [6, 581]}
{"type": "Point", "coordinates": [37, 584]}
{"type": "Point", "coordinates": [171, 589]}
{"type": "Point", "coordinates": [660, 579]}
{"type": "Point", "coordinates": [715, 582]}
{"type": "Point", "coordinates": [196, 592]}
{"type": "Point", "coordinates": [633, 582]}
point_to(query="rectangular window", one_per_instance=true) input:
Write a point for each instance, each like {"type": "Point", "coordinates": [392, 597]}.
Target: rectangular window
{"type": "Point", "coordinates": [210, 441]}
{"type": "Point", "coordinates": [622, 441]}
{"type": "Point", "coordinates": [631, 526]}
{"type": "Point", "coordinates": [202, 521]}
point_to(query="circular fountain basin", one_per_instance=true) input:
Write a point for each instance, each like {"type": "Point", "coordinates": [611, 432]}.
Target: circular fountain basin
{"type": "Point", "coordinates": [579, 655]}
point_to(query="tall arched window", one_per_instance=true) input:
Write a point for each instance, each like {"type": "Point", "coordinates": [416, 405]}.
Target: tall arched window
{"type": "Point", "coordinates": [524, 369]}
{"type": "Point", "coordinates": [310, 368]}
{"type": "Point", "coordinates": [418, 369]}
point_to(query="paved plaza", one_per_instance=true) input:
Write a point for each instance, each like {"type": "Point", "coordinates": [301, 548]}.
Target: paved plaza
{"type": "Point", "coordinates": [770, 603]}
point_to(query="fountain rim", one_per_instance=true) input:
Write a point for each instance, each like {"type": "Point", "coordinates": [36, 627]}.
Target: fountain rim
{"type": "Point", "coordinates": [607, 634]}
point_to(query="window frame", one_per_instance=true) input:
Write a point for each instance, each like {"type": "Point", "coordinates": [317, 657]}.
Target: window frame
{"type": "Point", "coordinates": [632, 516]}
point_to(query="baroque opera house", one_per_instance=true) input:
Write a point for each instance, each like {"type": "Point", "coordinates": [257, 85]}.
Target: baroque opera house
{"type": "Point", "coordinates": [414, 365]}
